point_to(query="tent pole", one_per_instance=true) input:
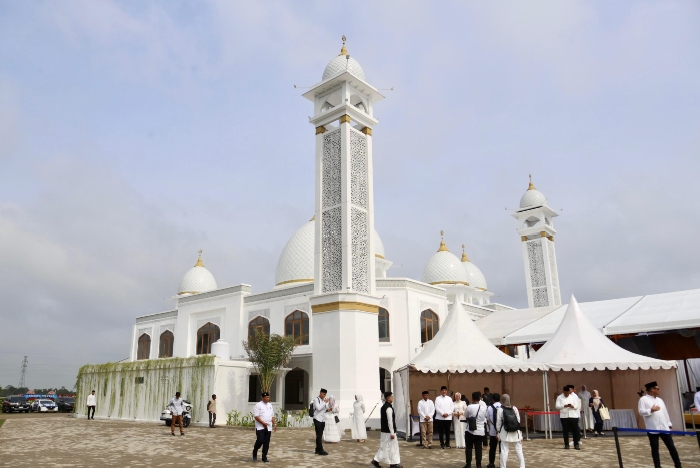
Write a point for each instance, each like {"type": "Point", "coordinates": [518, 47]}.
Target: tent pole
{"type": "Point", "coordinates": [409, 429]}
{"type": "Point", "coordinates": [687, 375]}
{"type": "Point", "coordinates": [612, 388]}
{"type": "Point", "coordinates": [544, 402]}
{"type": "Point", "coordinates": [680, 400]}
{"type": "Point", "coordinates": [549, 416]}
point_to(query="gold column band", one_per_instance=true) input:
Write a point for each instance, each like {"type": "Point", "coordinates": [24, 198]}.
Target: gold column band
{"type": "Point", "coordinates": [345, 119]}
{"type": "Point", "coordinates": [523, 238]}
{"type": "Point", "coordinates": [543, 234]}
{"type": "Point", "coordinates": [344, 305]}
{"type": "Point", "coordinates": [367, 131]}
{"type": "Point", "coordinates": [320, 130]}
{"type": "Point", "coordinates": [551, 238]}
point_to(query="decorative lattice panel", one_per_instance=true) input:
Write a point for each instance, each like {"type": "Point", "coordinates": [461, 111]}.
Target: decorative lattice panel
{"type": "Point", "coordinates": [554, 273]}
{"type": "Point", "coordinates": [331, 250]}
{"type": "Point", "coordinates": [358, 169]}
{"type": "Point", "coordinates": [330, 180]}
{"type": "Point", "coordinates": [536, 263]}
{"type": "Point", "coordinates": [539, 297]}
{"type": "Point", "coordinates": [360, 250]}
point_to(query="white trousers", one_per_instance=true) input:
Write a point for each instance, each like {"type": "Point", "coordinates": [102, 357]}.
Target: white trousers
{"type": "Point", "coordinates": [505, 446]}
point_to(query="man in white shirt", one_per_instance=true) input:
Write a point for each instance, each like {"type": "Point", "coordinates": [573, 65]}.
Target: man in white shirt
{"type": "Point", "coordinates": [177, 406]}
{"type": "Point", "coordinates": [475, 437]}
{"type": "Point", "coordinates": [569, 406]}
{"type": "Point", "coordinates": [653, 410]}
{"type": "Point", "coordinates": [320, 407]}
{"type": "Point", "coordinates": [264, 425]}
{"type": "Point", "coordinates": [493, 433]}
{"type": "Point", "coordinates": [91, 403]}
{"type": "Point", "coordinates": [444, 407]}
{"type": "Point", "coordinates": [426, 411]}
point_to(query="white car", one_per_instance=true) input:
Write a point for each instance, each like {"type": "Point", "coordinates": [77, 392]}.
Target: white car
{"type": "Point", "coordinates": [42, 405]}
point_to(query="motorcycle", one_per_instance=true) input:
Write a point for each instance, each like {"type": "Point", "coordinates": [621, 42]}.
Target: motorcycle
{"type": "Point", "coordinates": [166, 415]}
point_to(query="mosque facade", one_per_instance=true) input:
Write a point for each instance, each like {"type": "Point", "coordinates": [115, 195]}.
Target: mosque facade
{"type": "Point", "coordinates": [356, 324]}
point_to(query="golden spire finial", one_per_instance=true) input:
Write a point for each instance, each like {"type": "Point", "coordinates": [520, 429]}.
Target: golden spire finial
{"type": "Point", "coordinates": [343, 50]}
{"type": "Point", "coordinates": [464, 255]}
{"type": "Point", "coordinates": [199, 260]}
{"type": "Point", "coordinates": [443, 247]}
{"type": "Point", "coordinates": [531, 186]}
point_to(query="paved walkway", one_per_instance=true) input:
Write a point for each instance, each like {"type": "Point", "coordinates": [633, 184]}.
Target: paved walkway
{"type": "Point", "coordinates": [65, 441]}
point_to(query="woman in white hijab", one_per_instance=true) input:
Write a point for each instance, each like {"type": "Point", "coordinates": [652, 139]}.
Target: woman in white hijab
{"type": "Point", "coordinates": [458, 420]}
{"type": "Point", "coordinates": [509, 439]}
{"type": "Point", "coordinates": [358, 429]}
{"type": "Point", "coordinates": [331, 433]}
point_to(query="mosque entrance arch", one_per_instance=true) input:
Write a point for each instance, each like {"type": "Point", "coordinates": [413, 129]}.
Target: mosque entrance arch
{"type": "Point", "coordinates": [296, 385]}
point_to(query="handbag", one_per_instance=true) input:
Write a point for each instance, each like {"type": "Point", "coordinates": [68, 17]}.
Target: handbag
{"type": "Point", "coordinates": [471, 420]}
{"type": "Point", "coordinates": [604, 413]}
{"type": "Point", "coordinates": [337, 420]}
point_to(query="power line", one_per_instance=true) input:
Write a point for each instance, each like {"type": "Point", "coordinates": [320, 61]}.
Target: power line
{"type": "Point", "coordinates": [23, 372]}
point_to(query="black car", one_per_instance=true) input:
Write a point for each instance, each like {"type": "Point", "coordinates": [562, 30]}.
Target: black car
{"type": "Point", "coordinates": [15, 403]}
{"type": "Point", "coordinates": [65, 404]}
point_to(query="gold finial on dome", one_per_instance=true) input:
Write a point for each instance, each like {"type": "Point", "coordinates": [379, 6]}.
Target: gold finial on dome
{"type": "Point", "coordinates": [531, 186]}
{"type": "Point", "coordinates": [199, 260]}
{"type": "Point", "coordinates": [443, 247]}
{"type": "Point", "coordinates": [464, 255]}
{"type": "Point", "coordinates": [344, 50]}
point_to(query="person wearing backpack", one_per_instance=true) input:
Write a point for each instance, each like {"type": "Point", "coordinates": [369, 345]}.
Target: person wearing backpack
{"type": "Point", "coordinates": [508, 425]}
{"type": "Point", "coordinates": [475, 429]}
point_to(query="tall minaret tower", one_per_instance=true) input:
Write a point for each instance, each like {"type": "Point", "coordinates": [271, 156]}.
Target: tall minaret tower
{"type": "Point", "coordinates": [344, 332]}
{"type": "Point", "coordinates": [537, 233]}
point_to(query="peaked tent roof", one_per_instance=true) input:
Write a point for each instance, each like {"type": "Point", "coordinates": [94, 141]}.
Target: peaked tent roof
{"type": "Point", "coordinates": [460, 346]}
{"type": "Point", "coordinates": [579, 345]}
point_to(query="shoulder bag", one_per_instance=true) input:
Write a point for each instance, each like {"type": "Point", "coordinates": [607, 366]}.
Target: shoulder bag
{"type": "Point", "coordinates": [604, 413]}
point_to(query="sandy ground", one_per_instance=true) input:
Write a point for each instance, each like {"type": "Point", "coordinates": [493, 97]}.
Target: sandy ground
{"type": "Point", "coordinates": [61, 440]}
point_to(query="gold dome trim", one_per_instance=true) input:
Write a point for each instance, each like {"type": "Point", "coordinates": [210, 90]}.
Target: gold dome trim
{"type": "Point", "coordinates": [450, 282]}
{"type": "Point", "coordinates": [379, 256]}
{"type": "Point", "coordinates": [296, 281]}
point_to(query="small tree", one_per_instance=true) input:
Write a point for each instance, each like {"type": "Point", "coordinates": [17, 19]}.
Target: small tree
{"type": "Point", "coordinates": [269, 353]}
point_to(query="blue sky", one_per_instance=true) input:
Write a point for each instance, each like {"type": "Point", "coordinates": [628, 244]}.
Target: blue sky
{"type": "Point", "coordinates": [134, 133]}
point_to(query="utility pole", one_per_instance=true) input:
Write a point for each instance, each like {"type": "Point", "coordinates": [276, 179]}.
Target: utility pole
{"type": "Point", "coordinates": [23, 372]}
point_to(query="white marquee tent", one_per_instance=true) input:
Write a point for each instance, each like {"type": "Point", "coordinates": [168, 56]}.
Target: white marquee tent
{"type": "Point", "coordinates": [579, 353]}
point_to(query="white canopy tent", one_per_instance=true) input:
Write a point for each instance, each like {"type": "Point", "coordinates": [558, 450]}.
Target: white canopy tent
{"type": "Point", "coordinates": [463, 359]}
{"type": "Point", "coordinates": [579, 352]}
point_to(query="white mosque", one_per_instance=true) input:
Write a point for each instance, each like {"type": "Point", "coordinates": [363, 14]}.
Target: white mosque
{"type": "Point", "coordinates": [333, 288]}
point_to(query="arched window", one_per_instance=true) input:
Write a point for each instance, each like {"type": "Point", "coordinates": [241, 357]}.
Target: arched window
{"type": "Point", "coordinates": [144, 349]}
{"type": "Point", "coordinates": [429, 325]}
{"type": "Point", "coordinates": [259, 325]}
{"type": "Point", "coordinates": [383, 325]}
{"type": "Point", "coordinates": [206, 335]}
{"type": "Point", "coordinates": [297, 324]}
{"type": "Point", "coordinates": [166, 344]}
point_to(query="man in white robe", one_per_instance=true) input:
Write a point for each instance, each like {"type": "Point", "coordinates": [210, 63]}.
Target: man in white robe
{"type": "Point", "coordinates": [653, 410]}
{"type": "Point", "coordinates": [388, 443]}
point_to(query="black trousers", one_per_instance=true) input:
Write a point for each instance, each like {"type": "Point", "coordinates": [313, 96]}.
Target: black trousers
{"type": "Point", "coordinates": [668, 441]}
{"type": "Point", "coordinates": [263, 439]}
{"type": "Point", "coordinates": [319, 426]}
{"type": "Point", "coordinates": [471, 440]}
{"type": "Point", "coordinates": [492, 449]}
{"type": "Point", "coordinates": [571, 425]}
{"type": "Point", "coordinates": [443, 428]}
{"type": "Point", "coordinates": [212, 419]}
{"type": "Point", "coordinates": [598, 425]}
{"type": "Point", "coordinates": [91, 408]}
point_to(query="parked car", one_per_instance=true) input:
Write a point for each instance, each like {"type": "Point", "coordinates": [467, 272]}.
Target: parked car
{"type": "Point", "coordinates": [166, 415]}
{"type": "Point", "coordinates": [43, 405]}
{"type": "Point", "coordinates": [65, 404]}
{"type": "Point", "coordinates": [15, 403]}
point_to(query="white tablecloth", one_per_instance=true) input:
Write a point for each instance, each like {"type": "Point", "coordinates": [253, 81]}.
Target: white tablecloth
{"type": "Point", "coordinates": [618, 418]}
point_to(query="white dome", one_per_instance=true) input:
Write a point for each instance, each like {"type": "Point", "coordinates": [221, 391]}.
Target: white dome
{"type": "Point", "coordinates": [532, 197]}
{"type": "Point", "coordinates": [342, 63]}
{"type": "Point", "coordinates": [197, 280]}
{"type": "Point", "coordinates": [378, 246]}
{"type": "Point", "coordinates": [444, 268]}
{"type": "Point", "coordinates": [296, 263]}
{"type": "Point", "coordinates": [475, 277]}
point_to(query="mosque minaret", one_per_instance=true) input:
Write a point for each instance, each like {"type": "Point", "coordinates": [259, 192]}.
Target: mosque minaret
{"type": "Point", "coordinates": [537, 233]}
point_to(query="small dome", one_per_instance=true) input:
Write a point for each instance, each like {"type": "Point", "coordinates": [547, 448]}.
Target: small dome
{"type": "Point", "coordinates": [475, 277]}
{"type": "Point", "coordinates": [296, 263]}
{"type": "Point", "coordinates": [378, 246]}
{"type": "Point", "coordinates": [197, 280]}
{"type": "Point", "coordinates": [532, 197]}
{"type": "Point", "coordinates": [342, 63]}
{"type": "Point", "coordinates": [444, 268]}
